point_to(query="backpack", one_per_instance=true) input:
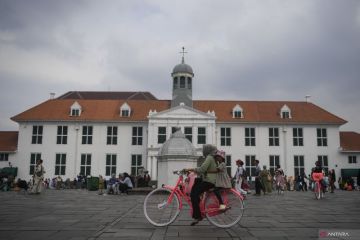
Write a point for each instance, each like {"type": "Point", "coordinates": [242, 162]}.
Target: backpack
{"type": "Point", "coordinates": [244, 173]}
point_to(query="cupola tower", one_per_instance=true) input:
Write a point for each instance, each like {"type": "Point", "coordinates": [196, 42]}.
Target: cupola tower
{"type": "Point", "coordinates": [182, 76]}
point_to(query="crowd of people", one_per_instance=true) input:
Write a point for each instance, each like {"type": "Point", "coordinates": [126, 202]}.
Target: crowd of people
{"type": "Point", "coordinates": [265, 180]}
{"type": "Point", "coordinates": [38, 183]}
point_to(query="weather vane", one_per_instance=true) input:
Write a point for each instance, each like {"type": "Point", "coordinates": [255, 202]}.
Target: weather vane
{"type": "Point", "coordinates": [183, 54]}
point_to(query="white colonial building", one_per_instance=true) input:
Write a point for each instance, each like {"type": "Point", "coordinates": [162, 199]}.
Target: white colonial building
{"type": "Point", "coordinates": [112, 132]}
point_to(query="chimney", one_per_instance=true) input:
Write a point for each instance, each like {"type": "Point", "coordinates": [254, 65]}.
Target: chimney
{"type": "Point", "coordinates": [52, 95]}
{"type": "Point", "coordinates": [307, 98]}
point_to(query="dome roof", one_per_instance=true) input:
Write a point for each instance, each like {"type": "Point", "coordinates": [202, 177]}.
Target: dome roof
{"type": "Point", "coordinates": [177, 145]}
{"type": "Point", "coordinates": [182, 68]}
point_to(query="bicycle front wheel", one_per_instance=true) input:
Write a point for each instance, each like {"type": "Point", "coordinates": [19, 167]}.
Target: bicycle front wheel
{"type": "Point", "coordinates": [159, 209]}
{"type": "Point", "coordinates": [228, 217]}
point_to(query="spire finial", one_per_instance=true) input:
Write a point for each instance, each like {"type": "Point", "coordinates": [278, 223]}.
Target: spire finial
{"type": "Point", "coordinates": [183, 54]}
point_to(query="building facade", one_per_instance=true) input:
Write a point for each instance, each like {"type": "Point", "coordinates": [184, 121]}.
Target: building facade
{"type": "Point", "coordinates": [96, 133]}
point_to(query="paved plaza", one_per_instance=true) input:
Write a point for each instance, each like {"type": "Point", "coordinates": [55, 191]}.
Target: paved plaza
{"type": "Point", "coordinates": [82, 214]}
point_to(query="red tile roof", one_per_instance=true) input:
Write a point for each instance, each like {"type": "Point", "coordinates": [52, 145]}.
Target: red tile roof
{"type": "Point", "coordinates": [8, 141]}
{"type": "Point", "coordinates": [108, 95]}
{"type": "Point", "coordinates": [269, 112]}
{"type": "Point", "coordinates": [350, 141]}
{"type": "Point", "coordinates": [109, 110]}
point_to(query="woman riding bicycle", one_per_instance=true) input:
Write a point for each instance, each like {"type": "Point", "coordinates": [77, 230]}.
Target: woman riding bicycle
{"type": "Point", "coordinates": [318, 174]}
{"type": "Point", "coordinates": [208, 171]}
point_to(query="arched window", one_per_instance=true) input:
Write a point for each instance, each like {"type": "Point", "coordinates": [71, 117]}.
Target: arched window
{"type": "Point", "coordinates": [189, 82]}
{"type": "Point", "coordinates": [285, 112]}
{"type": "Point", "coordinates": [182, 82]}
{"type": "Point", "coordinates": [237, 112]}
{"type": "Point", "coordinates": [125, 110]}
{"type": "Point", "coordinates": [175, 83]}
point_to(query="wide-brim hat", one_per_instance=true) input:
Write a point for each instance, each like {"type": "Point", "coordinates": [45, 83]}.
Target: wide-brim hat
{"type": "Point", "coordinates": [220, 153]}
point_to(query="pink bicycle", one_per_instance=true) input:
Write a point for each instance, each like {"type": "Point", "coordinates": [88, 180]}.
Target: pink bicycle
{"type": "Point", "coordinates": [163, 205]}
{"type": "Point", "coordinates": [318, 188]}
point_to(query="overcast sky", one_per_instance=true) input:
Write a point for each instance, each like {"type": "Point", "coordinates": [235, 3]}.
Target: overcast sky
{"type": "Point", "coordinates": [239, 50]}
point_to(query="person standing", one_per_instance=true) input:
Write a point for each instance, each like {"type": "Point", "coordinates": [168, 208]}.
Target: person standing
{"type": "Point", "coordinates": [38, 177]}
{"type": "Point", "coordinates": [101, 185]}
{"type": "Point", "coordinates": [332, 179]}
{"type": "Point", "coordinates": [279, 179]}
{"type": "Point", "coordinates": [239, 176]}
{"type": "Point", "coordinates": [266, 180]}
{"type": "Point", "coordinates": [257, 178]}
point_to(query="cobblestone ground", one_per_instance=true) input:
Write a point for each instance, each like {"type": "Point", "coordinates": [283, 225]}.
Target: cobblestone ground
{"type": "Point", "coordinates": [81, 214]}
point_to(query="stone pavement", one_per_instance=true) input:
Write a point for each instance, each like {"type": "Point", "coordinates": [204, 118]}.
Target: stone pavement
{"type": "Point", "coordinates": [82, 214]}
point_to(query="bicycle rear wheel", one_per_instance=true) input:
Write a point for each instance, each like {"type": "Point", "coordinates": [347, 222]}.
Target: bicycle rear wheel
{"type": "Point", "coordinates": [231, 215]}
{"type": "Point", "coordinates": [157, 209]}
{"type": "Point", "coordinates": [317, 190]}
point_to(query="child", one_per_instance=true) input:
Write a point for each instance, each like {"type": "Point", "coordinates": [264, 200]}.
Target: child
{"type": "Point", "coordinates": [222, 178]}
{"type": "Point", "coordinates": [101, 185]}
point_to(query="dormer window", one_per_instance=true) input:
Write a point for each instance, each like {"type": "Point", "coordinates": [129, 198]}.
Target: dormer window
{"type": "Point", "coordinates": [237, 112]}
{"type": "Point", "coordinates": [75, 110]}
{"type": "Point", "coordinates": [285, 112]}
{"type": "Point", "coordinates": [125, 110]}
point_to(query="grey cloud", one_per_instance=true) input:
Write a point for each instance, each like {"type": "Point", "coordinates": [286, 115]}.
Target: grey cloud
{"type": "Point", "coordinates": [276, 50]}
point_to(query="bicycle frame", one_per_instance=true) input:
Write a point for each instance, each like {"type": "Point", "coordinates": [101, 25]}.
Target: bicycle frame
{"type": "Point", "coordinates": [175, 190]}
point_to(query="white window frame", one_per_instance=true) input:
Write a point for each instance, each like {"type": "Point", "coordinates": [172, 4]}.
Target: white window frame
{"type": "Point", "coordinates": [110, 164]}
{"type": "Point", "coordinates": [33, 158]}
{"type": "Point", "coordinates": [137, 137]}
{"type": "Point", "coordinates": [274, 160]}
{"type": "Point", "coordinates": [201, 137]}
{"type": "Point", "coordinates": [60, 166]}
{"type": "Point", "coordinates": [62, 133]}
{"type": "Point", "coordinates": [85, 164]}
{"type": "Point", "coordinates": [250, 136]}
{"type": "Point", "coordinates": [321, 136]}
{"type": "Point", "coordinates": [111, 135]}
{"type": "Point", "coordinates": [37, 134]}
{"type": "Point", "coordinates": [299, 167]}
{"type": "Point", "coordinates": [225, 136]}
{"type": "Point", "coordinates": [352, 159]}
{"type": "Point", "coordinates": [274, 138]}
{"type": "Point", "coordinates": [136, 163]}
{"type": "Point", "coordinates": [87, 134]}
{"type": "Point", "coordinates": [188, 134]}
{"type": "Point", "coordinates": [297, 139]}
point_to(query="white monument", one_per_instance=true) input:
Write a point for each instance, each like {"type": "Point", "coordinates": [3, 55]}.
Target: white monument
{"type": "Point", "coordinates": [176, 153]}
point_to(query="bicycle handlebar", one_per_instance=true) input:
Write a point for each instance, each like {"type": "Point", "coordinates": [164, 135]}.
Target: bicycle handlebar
{"type": "Point", "coordinates": [181, 172]}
